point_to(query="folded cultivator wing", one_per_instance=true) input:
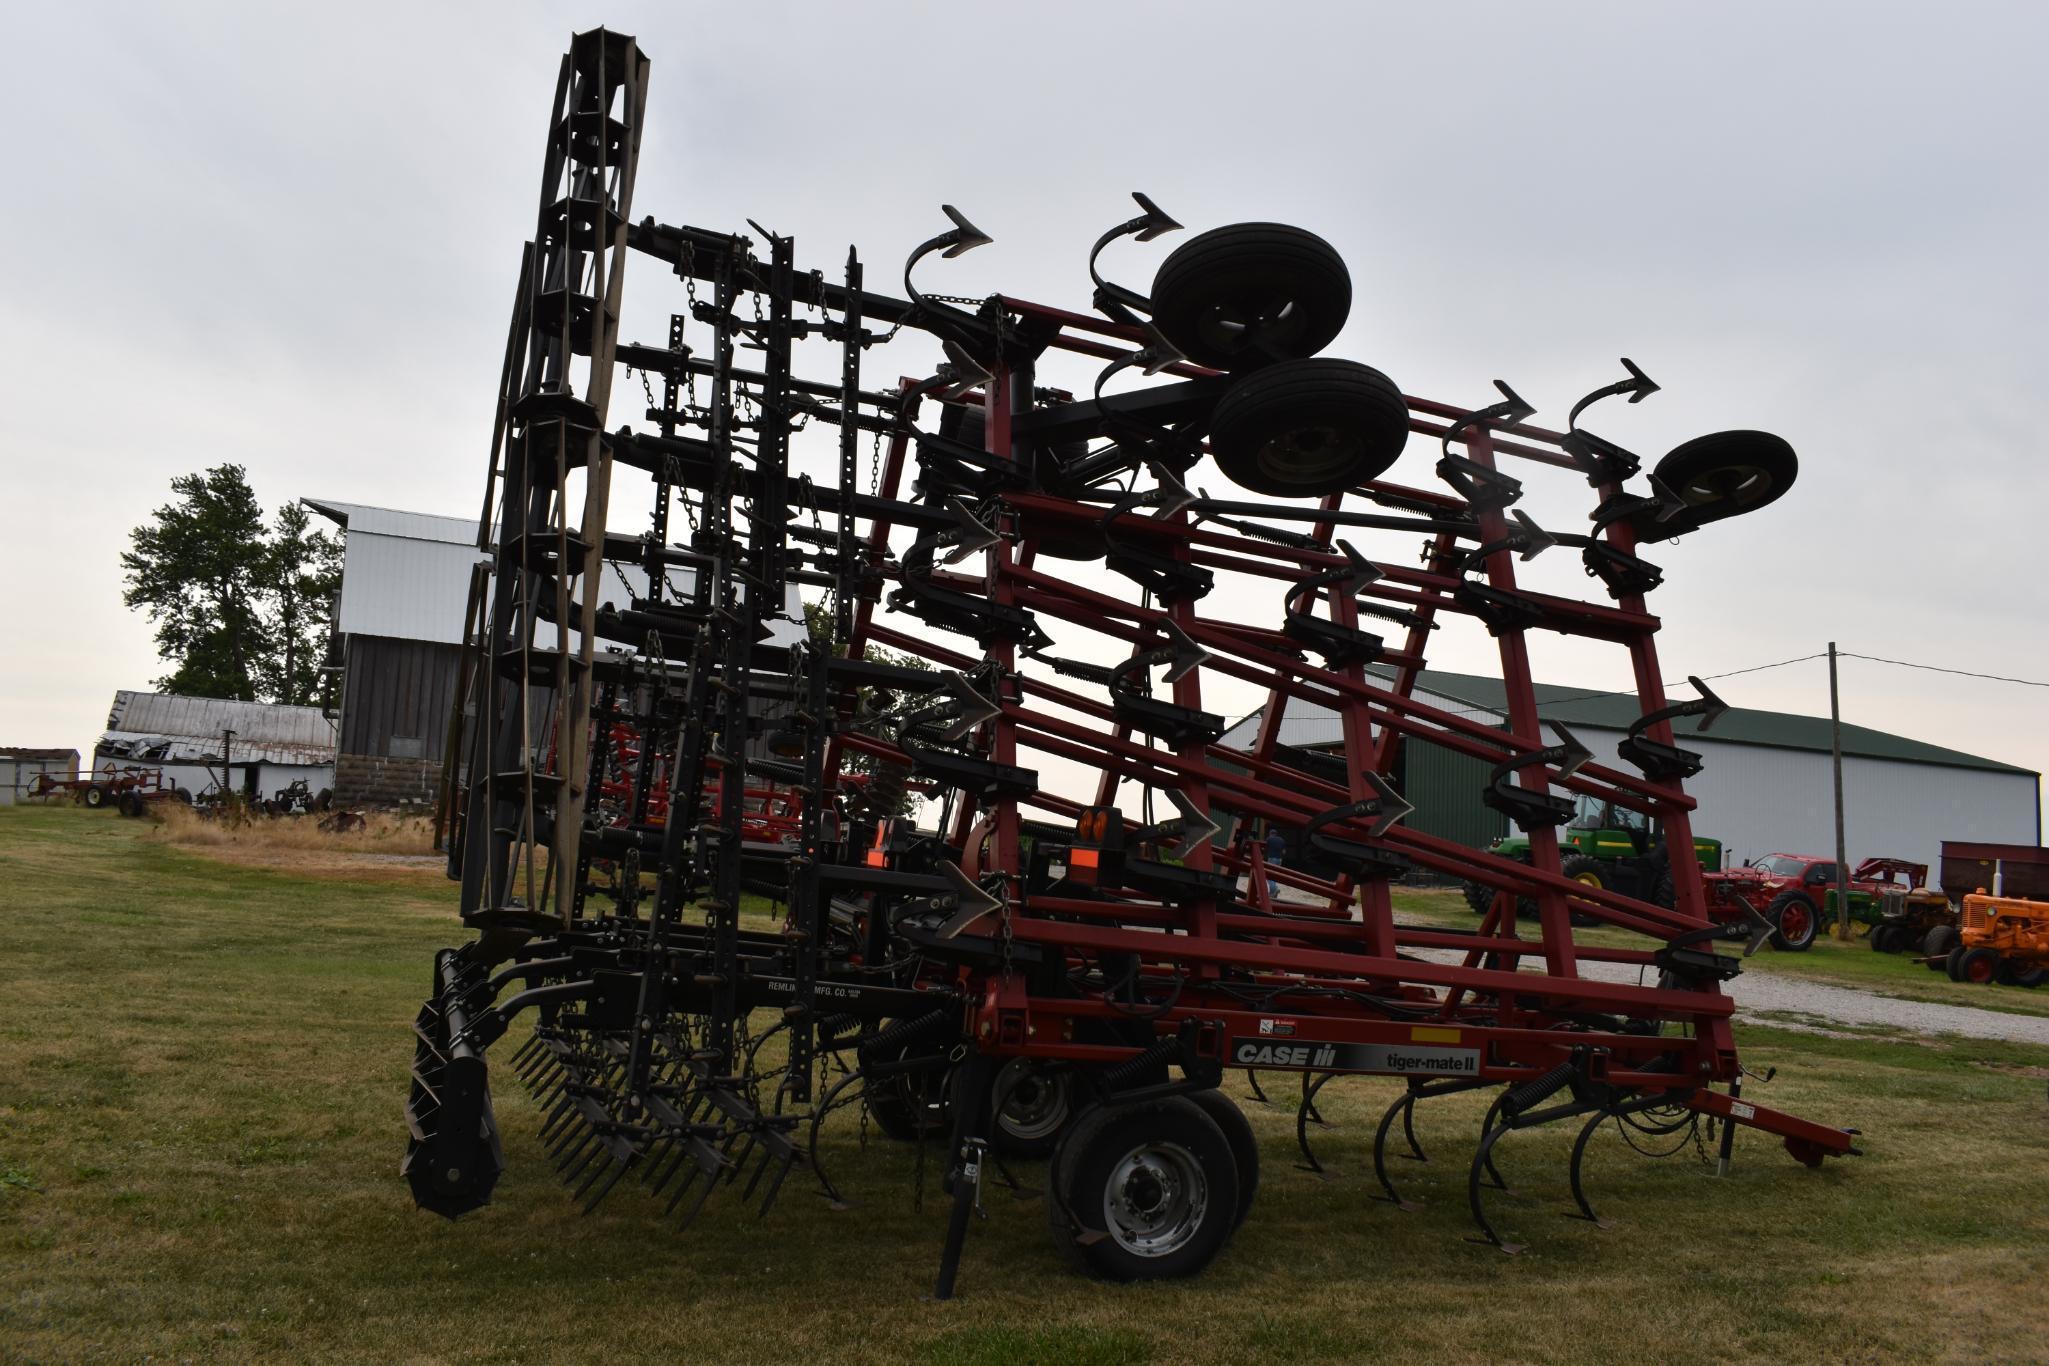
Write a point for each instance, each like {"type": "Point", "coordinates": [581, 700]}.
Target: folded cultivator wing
{"type": "Point", "coordinates": [961, 845]}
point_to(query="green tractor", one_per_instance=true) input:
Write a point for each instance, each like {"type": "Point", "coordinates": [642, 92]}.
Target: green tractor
{"type": "Point", "coordinates": [1605, 846]}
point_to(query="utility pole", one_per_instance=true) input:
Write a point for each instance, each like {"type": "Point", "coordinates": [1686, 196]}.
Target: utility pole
{"type": "Point", "coordinates": [1835, 746]}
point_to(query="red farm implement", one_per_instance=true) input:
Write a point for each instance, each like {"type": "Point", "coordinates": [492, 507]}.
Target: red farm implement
{"type": "Point", "coordinates": [1064, 955]}
{"type": "Point", "coordinates": [129, 789]}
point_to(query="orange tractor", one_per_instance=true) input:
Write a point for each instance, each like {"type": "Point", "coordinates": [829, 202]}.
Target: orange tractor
{"type": "Point", "coordinates": [1998, 939]}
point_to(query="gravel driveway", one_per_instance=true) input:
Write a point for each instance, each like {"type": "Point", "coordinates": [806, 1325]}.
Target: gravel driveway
{"type": "Point", "coordinates": [1764, 996]}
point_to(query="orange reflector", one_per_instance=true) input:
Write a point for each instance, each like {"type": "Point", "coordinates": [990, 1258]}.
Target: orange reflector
{"type": "Point", "coordinates": [1431, 1034]}
{"type": "Point", "coordinates": [1083, 858]}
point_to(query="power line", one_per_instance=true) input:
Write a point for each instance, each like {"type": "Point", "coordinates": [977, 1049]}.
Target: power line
{"type": "Point", "coordinates": [1759, 668]}
{"type": "Point", "coordinates": [1939, 669]}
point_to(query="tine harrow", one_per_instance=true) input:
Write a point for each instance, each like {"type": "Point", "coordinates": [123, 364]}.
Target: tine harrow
{"type": "Point", "coordinates": [887, 786]}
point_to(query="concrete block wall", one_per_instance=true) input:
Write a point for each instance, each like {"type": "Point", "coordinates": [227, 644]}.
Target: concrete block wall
{"type": "Point", "coordinates": [370, 780]}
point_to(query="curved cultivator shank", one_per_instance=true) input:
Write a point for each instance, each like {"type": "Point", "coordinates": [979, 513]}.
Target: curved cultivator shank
{"type": "Point", "coordinates": [837, 754]}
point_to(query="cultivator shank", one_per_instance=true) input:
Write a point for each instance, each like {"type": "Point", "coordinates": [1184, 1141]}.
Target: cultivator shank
{"type": "Point", "coordinates": [912, 787]}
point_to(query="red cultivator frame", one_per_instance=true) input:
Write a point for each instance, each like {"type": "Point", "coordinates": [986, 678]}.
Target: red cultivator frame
{"type": "Point", "coordinates": [1041, 967]}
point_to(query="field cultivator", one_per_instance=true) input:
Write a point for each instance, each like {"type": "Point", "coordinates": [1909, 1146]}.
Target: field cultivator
{"type": "Point", "coordinates": [1027, 611]}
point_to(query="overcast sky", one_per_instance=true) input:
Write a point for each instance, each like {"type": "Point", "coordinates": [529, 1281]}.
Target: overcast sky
{"type": "Point", "coordinates": [287, 237]}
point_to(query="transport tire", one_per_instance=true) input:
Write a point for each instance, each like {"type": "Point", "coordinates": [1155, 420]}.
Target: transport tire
{"type": "Point", "coordinates": [1251, 294]}
{"type": "Point", "coordinates": [909, 1106]}
{"type": "Point", "coordinates": [1237, 1131]}
{"type": "Point", "coordinates": [1144, 1191]}
{"type": "Point", "coordinates": [1979, 966]}
{"type": "Point", "coordinates": [1304, 428]}
{"type": "Point", "coordinates": [1723, 474]}
{"type": "Point", "coordinates": [1038, 1105]}
{"type": "Point", "coordinates": [95, 796]}
{"type": "Point", "coordinates": [1796, 921]}
{"type": "Point", "coordinates": [1936, 944]}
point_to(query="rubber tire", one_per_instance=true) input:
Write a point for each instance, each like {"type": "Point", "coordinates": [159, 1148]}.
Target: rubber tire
{"type": "Point", "coordinates": [1244, 268]}
{"type": "Point", "coordinates": [1777, 909]}
{"type": "Point", "coordinates": [1705, 473]}
{"type": "Point", "coordinates": [1359, 409]}
{"type": "Point", "coordinates": [1100, 1138]}
{"type": "Point", "coordinates": [1238, 1133]}
{"type": "Point", "coordinates": [1579, 868]}
{"type": "Point", "coordinates": [1979, 966]}
{"type": "Point", "coordinates": [1032, 1148]}
{"type": "Point", "coordinates": [1481, 898]}
{"type": "Point", "coordinates": [95, 796]}
{"type": "Point", "coordinates": [1952, 962]}
{"type": "Point", "coordinates": [1883, 938]}
{"type": "Point", "coordinates": [894, 1108]}
{"type": "Point", "coordinates": [2032, 978]}
{"type": "Point", "coordinates": [1936, 946]}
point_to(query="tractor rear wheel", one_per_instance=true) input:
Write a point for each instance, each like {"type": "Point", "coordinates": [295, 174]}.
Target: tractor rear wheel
{"type": "Point", "coordinates": [1796, 922]}
{"type": "Point", "coordinates": [1935, 946]}
{"type": "Point", "coordinates": [2026, 977]}
{"type": "Point", "coordinates": [1304, 428]}
{"type": "Point", "coordinates": [1588, 872]}
{"type": "Point", "coordinates": [1143, 1191]}
{"type": "Point", "coordinates": [1980, 966]}
{"type": "Point", "coordinates": [1250, 294]}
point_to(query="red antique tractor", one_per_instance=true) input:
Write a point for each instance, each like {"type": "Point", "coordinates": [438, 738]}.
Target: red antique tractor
{"type": "Point", "coordinates": [1796, 891]}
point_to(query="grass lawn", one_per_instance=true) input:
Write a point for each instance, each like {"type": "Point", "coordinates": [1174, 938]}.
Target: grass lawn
{"type": "Point", "coordinates": [1851, 964]}
{"type": "Point", "coordinates": [204, 1062]}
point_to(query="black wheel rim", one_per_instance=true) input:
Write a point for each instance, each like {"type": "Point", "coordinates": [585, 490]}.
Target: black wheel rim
{"type": "Point", "coordinates": [1310, 454]}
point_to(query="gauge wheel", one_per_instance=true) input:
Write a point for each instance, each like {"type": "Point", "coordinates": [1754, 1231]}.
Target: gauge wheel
{"type": "Point", "coordinates": [1251, 294]}
{"type": "Point", "coordinates": [1305, 428]}
{"type": "Point", "coordinates": [1723, 474]}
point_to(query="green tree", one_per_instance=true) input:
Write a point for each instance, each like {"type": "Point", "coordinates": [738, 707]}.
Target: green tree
{"type": "Point", "coordinates": [196, 568]}
{"type": "Point", "coordinates": [240, 612]}
{"type": "Point", "coordinates": [302, 573]}
{"type": "Point", "coordinates": [818, 623]}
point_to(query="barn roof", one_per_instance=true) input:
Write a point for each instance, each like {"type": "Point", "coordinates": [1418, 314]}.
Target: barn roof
{"type": "Point", "coordinates": [19, 752]}
{"type": "Point", "coordinates": [1307, 724]}
{"type": "Point", "coordinates": [167, 726]}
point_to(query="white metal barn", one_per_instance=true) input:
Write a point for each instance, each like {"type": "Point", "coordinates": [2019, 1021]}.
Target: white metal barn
{"type": "Point", "coordinates": [1765, 787]}
{"type": "Point", "coordinates": [271, 747]}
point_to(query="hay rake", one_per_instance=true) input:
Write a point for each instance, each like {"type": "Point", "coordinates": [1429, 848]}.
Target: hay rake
{"type": "Point", "coordinates": [1031, 616]}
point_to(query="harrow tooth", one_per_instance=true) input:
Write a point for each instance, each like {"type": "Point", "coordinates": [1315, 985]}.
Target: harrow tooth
{"type": "Point", "coordinates": [789, 1161]}
{"type": "Point", "coordinates": [619, 1169]}
{"type": "Point", "coordinates": [703, 1196]}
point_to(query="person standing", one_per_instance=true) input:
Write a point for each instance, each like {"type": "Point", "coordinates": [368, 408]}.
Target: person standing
{"type": "Point", "coordinates": [1276, 850]}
